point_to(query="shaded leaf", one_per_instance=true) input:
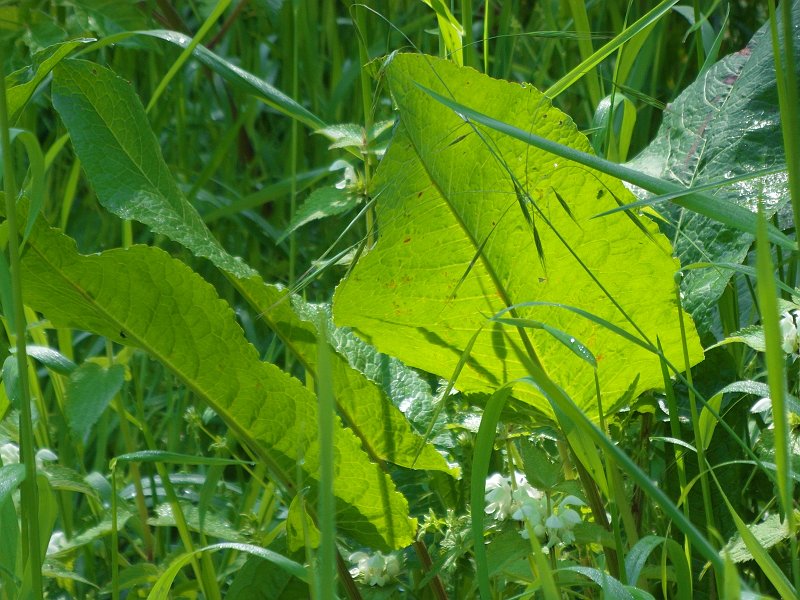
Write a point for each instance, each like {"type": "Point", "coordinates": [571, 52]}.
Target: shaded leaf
{"type": "Point", "coordinates": [725, 124]}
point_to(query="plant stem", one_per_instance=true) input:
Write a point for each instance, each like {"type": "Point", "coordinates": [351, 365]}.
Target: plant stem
{"type": "Point", "coordinates": [29, 493]}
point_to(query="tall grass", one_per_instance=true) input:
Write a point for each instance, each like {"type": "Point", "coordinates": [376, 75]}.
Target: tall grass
{"type": "Point", "coordinates": [248, 166]}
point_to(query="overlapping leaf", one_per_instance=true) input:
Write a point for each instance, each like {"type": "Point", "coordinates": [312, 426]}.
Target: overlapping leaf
{"type": "Point", "coordinates": [142, 297]}
{"type": "Point", "coordinates": [472, 221]}
{"type": "Point", "coordinates": [725, 124]}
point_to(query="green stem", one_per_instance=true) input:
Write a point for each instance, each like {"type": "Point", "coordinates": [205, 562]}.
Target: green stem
{"type": "Point", "coordinates": [29, 492]}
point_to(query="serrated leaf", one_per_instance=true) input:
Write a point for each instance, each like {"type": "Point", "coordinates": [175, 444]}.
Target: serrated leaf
{"type": "Point", "coordinates": [456, 248]}
{"type": "Point", "coordinates": [385, 433]}
{"type": "Point", "coordinates": [725, 124]}
{"type": "Point", "coordinates": [142, 297]}
{"type": "Point", "coordinates": [323, 202]}
{"type": "Point", "coordinates": [121, 156]}
{"type": "Point", "coordinates": [769, 532]}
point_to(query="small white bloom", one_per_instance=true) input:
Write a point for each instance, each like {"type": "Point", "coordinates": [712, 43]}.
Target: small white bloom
{"type": "Point", "coordinates": [789, 335]}
{"type": "Point", "coordinates": [57, 543]}
{"type": "Point", "coordinates": [499, 497]}
{"type": "Point", "coordinates": [375, 569]}
{"type": "Point", "coordinates": [9, 453]}
{"type": "Point", "coordinates": [45, 455]}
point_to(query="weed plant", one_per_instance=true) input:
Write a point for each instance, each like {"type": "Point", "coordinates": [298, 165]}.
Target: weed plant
{"type": "Point", "coordinates": [413, 299]}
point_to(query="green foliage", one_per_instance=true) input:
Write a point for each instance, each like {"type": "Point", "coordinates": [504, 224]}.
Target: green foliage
{"type": "Point", "coordinates": [349, 311]}
{"type": "Point", "coordinates": [460, 206]}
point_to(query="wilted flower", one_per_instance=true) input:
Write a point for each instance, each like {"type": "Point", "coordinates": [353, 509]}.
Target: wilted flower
{"type": "Point", "coordinates": [375, 569]}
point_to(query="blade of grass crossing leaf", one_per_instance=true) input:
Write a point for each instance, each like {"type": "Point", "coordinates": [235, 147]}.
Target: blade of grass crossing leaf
{"type": "Point", "coordinates": [187, 51]}
{"type": "Point", "coordinates": [484, 445]}
{"type": "Point", "coordinates": [326, 567]}
{"type": "Point", "coordinates": [161, 588]}
{"type": "Point", "coordinates": [32, 557]}
{"type": "Point", "coordinates": [787, 98]}
{"type": "Point", "coordinates": [637, 557]}
{"type": "Point", "coordinates": [768, 302]}
{"type": "Point", "coordinates": [450, 385]}
{"type": "Point", "coordinates": [725, 212]}
{"type": "Point", "coordinates": [564, 405]}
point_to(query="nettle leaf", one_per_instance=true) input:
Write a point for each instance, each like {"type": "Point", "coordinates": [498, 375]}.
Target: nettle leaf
{"type": "Point", "coordinates": [472, 221]}
{"type": "Point", "coordinates": [121, 156]}
{"type": "Point", "coordinates": [142, 297]}
{"type": "Point", "coordinates": [725, 124]}
{"type": "Point", "coordinates": [385, 433]}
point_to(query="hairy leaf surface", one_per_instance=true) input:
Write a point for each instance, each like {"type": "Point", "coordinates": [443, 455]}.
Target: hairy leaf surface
{"type": "Point", "coordinates": [472, 222]}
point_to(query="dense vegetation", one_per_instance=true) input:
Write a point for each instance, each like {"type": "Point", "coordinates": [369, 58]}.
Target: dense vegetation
{"type": "Point", "coordinates": [427, 299]}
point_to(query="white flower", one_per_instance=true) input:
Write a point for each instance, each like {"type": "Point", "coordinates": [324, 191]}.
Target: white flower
{"type": "Point", "coordinates": [499, 498]}
{"type": "Point", "coordinates": [9, 453]}
{"type": "Point", "coordinates": [57, 543]}
{"type": "Point", "coordinates": [561, 522]}
{"type": "Point", "coordinates": [375, 569]}
{"type": "Point", "coordinates": [789, 334]}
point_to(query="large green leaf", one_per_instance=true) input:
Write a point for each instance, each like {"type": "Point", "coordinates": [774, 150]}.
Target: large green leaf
{"type": "Point", "coordinates": [142, 297]}
{"type": "Point", "coordinates": [725, 124]}
{"type": "Point", "coordinates": [472, 221]}
{"type": "Point", "coordinates": [124, 163]}
{"type": "Point", "coordinates": [112, 137]}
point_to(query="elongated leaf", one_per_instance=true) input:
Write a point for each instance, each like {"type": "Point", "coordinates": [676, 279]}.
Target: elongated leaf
{"type": "Point", "coordinates": [121, 156]}
{"type": "Point", "coordinates": [143, 298]}
{"type": "Point", "coordinates": [472, 222]}
{"type": "Point", "coordinates": [725, 124]}
{"type": "Point", "coordinates": [384, 431]}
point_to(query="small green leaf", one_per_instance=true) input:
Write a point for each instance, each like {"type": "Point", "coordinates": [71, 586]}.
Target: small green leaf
{"type": "Point", "coordinates": [323, 202]}
{"type": "Point", "coordinates": [300, 528]}
{"type": "Point", "coordinates": [89, 391]}
{"type": "Point", "coordinates": [52, 359]}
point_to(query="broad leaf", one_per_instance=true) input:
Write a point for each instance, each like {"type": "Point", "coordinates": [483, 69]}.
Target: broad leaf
{"type": "Point", "coordinates": [124, 163]}
{"type": "Point", "coordinates": [112, 137]}
{"type": "Point", "coordinates": [725, 124]}
{"type": "Point", "coordinates": [472, 222]}
{"type": "Point", "coordinates": [143, 298]}
{"type": "Point", "coordinates": [90, 389]}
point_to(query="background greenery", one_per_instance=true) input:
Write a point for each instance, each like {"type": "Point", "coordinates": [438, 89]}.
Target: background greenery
{"type": "Point", "coordinates": [179, 398]}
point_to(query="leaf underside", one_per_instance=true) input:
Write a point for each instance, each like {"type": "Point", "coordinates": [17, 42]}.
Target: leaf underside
{"type": "Point", "coordinates": [472, 221]}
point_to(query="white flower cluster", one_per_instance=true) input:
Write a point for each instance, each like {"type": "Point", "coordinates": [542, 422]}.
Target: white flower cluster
{"type": "Point", "coordinates": [375, 569]}
{"type": "Point", "coordinates": [522, 502]}
{"type": "Point", "coordinates": [9, 454]}
{"type": "Point", "coordinates": [790, 338]}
